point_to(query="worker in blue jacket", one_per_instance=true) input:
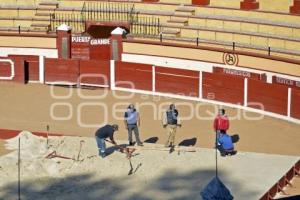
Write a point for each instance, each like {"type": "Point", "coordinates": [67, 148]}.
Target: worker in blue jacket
{"type": "Point", "coordinates": [225, 144]}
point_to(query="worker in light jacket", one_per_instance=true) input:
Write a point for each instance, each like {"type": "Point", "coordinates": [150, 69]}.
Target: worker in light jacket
{"type": "Point", "coordinates": [132, 123]}
{"type": "Point", "coordinates": [171, 121]}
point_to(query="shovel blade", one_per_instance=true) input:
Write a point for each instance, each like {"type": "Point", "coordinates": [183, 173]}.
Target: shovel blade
{"type": "Point", "coordinates": [130, 172]}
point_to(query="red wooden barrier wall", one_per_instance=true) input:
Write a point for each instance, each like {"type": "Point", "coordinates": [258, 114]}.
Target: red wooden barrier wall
{"type": "Point", "coordinates": [61, 70]}
{"type": "Point", "coordinates": [19, 65]}
{"type": "Point", "coordinates": [31, 66]}
{"type": "Point", "coordinates": [295, 104]}
{"type": "Point", "coordinates": [177, 81]}
{"type": "Point", "coordinates": [80, 50]}
{"type": "Point", "coordinates": [94, 72]}
{"type": "Point", "coordinates": [100, 52]}
{"type": "Point", "coordinates": [5, 68]}
{"type": "Point", "coordinates": [273, 97]}
{"type": "Point", "coordinates": [88, 48]}
{"type": "Point", "coordinates": [224, 88]}
{"type": "Point", "coordinates": [139, 75]}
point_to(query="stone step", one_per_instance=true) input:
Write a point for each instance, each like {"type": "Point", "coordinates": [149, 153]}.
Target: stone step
{"type": "Point", "coordinates": [185, 9]}
{"type": "Point", "coordinates": [41, 20]}
{"type": "Point", "coordinates": [48, 5]}
{"type": "Point", "coordinates": [173, 32]}
{"type": "Point", "coordinates": [42, 17]}
{"type": "Point", "coordinates": [42, 14]}
{"type": "Point", "coordinates": [37, 29]}
{"type": "Point", "coordinates": [44, 11]}
{"type": "Point", "coordinates": [184, 14]}
{"type": "Point", "coordinates": [45, 25]}
{"type": "Point", "coordinates": [178, 21]}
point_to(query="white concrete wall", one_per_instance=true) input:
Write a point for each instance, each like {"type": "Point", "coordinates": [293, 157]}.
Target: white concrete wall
{"type": "Point", "coordinates": [49, 53]}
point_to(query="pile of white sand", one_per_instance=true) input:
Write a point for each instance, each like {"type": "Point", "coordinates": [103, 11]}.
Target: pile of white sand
{"type": "Point", "coordinates": [158, 174]}
{"type": "Point", "coordinates": [31, 146]}
{"type": "Point", "coordinates": [34, 151]}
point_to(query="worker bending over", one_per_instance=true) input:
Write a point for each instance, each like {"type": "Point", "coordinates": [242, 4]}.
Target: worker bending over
{"type": "Point", "coordinates": [101, 134]}
{"type": "Point", "coordinates": [225, 144]}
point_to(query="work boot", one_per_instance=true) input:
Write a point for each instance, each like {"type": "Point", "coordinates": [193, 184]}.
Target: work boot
{"type": "Point", "coordinates": [102, 154]}
{"type": "Point", "coordinates": [140, 144]}
{"type": "Point", "coordinates": [131, 143]}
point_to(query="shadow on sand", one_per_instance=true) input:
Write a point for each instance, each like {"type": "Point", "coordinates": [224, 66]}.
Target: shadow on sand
{"type": "Point", "coordinates": [171, 185]}
{"type": "Point", "coordinates": [152, 140]}
{"type": "Point", "coordinates": [188, 142]}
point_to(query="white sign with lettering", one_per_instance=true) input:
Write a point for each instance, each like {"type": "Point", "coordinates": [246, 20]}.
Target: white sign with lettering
{"type": "Point", "coordinates": [88, 39]}
{"type": "Point", "coordinates": [237, 72]}
{"type": "Point", "coordinates": [99, 42]}
{"type": "Point", "coordinates": [287, 82]}
{"type": "Point", "coordinates": [81, 39]}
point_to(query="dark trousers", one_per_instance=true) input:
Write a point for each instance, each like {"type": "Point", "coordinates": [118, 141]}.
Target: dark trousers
{"type": "Point", "coordinates": [223, 151]}
{"type": "Point", "coordinates": [135, 129]}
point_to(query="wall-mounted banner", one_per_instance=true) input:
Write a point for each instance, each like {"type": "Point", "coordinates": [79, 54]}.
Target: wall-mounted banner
{"type": "Point", "coordinates": [235, 72]}
{"type": "Point", "coordinates": [91, 41]}
{"type": "Point", "coordinates": [288, 82]}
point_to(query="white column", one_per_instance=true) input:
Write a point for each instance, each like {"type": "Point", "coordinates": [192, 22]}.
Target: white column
{"type": "Point", "coordinates": [153, 78]}
{"type": "Point", "coordinates": [42, 69]}
{"type": "Point", "coordinates": [269, 78]}
{"type": "Point", "coordinates": [289, 102]}
{"type": "Point", "coordinates": [112, 75]}
{"type": "Point", "coordinates": [245, 92]}
{"type": "Point", "coordinates": [200, 84]}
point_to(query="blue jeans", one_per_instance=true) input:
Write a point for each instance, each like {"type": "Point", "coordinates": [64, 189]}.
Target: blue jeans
{"type": "Point", "coordinates": [101, 145]}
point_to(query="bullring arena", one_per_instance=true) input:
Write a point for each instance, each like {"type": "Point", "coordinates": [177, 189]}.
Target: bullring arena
{"type": "Point", "coordinates": [69, 67]}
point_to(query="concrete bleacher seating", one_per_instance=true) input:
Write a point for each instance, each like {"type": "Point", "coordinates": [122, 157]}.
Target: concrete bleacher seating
{"type": "Point", "coordinates": [23, 3]}
{"type": "Point", "coordinates": [42, 15]}
{"type": "Point", "coordinates": [221, 22]}
{"type": "Point", "coordinates": [28, 15]}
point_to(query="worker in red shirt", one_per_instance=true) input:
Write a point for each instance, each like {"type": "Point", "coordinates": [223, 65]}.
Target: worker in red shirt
{"type": "Point", "coordinates": [221, 122]}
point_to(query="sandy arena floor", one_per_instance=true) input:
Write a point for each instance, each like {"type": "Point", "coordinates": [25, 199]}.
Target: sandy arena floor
{"type": "Point", "coordinates": [28, 107]}
{"type": "Point", "coordinates": [157, 174]}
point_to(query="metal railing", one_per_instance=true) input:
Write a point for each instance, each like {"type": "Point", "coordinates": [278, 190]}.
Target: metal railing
{"type": "Point", "coordinates": [107, 11]}
{"type": "Point", "coordinates": [146, 26]}
{"type": "Point", "coordinates": [73, 20]}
